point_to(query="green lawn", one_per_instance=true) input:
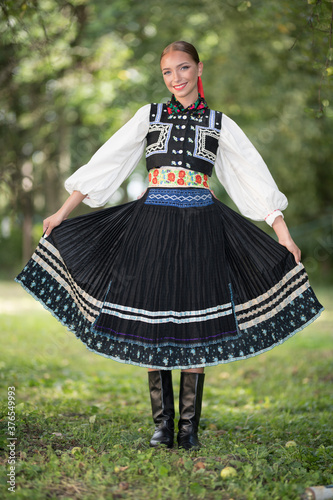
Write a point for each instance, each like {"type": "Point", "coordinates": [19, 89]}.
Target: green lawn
{"type": "Point", "coordinates": [83, 422]}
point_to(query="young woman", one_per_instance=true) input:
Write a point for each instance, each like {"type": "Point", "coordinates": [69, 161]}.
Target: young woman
{"type": "Point", "coordinates": [176, 279]}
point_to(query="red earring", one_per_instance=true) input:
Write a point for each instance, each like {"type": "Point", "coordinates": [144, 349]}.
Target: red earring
{"type": "Point", "coordinates": [200, 87]}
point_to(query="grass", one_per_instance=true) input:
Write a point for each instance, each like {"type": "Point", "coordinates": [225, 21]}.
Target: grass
{"type": "Point", "coordinates": [83, 422]}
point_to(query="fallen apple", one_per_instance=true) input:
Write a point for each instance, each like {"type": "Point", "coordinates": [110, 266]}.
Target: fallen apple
{"type": "Point", "coordinates": [228, 472]}
{"type": "Point", "coordinates": [290, 444]}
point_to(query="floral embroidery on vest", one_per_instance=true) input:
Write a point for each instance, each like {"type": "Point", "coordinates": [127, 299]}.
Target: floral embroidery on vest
{"type": "Point", "coordinates": [197, 108]}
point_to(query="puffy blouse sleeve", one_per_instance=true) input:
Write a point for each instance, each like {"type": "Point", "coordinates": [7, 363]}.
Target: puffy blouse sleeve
{"type": "Point", "coordinates": [113, 162]}
{"type": "Point", "coordinates": [245, 176]}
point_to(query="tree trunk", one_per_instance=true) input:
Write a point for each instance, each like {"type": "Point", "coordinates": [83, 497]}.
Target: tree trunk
{"type": "Point", "coordinates": [27, 241]}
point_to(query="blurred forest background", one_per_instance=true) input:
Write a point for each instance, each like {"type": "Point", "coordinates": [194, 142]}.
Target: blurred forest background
{"type": "Point", "coordinates": [72, 72]}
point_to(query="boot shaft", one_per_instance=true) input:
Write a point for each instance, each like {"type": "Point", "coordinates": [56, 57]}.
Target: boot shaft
{"type": "Point", "coordinates": [162, 405]}
{"type": "Point", "coordinates": [190, 395]}
{"type": "Point", "coordinates": [161, 395]}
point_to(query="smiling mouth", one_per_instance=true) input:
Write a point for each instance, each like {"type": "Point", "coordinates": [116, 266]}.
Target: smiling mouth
{"type": "Point", "coordinates": [180, 87]}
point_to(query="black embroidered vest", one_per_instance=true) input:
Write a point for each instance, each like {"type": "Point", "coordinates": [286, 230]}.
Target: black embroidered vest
{"type": "Point", "coordinates": [186, 140]}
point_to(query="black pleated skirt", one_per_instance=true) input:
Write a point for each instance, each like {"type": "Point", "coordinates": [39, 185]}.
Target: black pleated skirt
{"type": "Point", "coordinates": [173, 280]}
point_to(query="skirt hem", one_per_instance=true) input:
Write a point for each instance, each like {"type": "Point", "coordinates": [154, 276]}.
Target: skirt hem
{"type": "Point", "coordinates": [215, 363]}
{"type": "Point", "coordinates": [177, 367]}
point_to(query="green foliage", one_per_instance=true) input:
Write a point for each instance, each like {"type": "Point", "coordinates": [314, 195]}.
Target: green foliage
{"type": "Point", "coordinates": [83, 422]}
{"type": "Point", "coordinates": [10, 252]}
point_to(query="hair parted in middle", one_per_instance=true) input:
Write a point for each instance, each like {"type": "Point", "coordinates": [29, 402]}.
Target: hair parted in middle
{"type": "Point", "coordinates": [182, 47]}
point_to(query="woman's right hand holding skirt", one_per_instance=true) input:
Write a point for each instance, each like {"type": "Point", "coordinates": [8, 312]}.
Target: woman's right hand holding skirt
{"type": "Point", "coordinates": [282, 232]}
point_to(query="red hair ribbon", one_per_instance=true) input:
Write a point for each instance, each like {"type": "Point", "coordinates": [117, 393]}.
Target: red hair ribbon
{"type": "Point", "coordinates": [200, 87]}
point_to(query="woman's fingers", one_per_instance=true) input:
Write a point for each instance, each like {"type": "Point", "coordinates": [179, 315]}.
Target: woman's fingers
{"type": "Point", "coordinates": [50, 223]}
{"type": "Point", "coordinates": [297, 256]}
{"type": "Point", "coordinates": [45, 228]}
{"type": "Point", "coordinates": [296, 253]}
{"type": "Point", "coordinates": [293, 248]}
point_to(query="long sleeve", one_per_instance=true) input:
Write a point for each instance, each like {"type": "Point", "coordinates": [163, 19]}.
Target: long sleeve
{"type": "Point", "coordinates": [113, 162]}
{"type": "Point", "coordinates": [245, 176]}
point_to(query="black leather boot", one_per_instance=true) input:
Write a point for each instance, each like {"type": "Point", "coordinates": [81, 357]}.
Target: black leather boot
{"type": "Point", "coordinates": [162, 405]}
{"type": "Point", "coordinates": [190, 401]}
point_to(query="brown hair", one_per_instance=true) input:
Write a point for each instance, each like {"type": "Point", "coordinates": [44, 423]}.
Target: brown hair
{"type": "Point", "coordinates": [182, 47]}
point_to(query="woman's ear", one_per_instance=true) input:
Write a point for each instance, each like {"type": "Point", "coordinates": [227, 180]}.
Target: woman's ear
{"type": "Point", "coordinates": [200, 68]}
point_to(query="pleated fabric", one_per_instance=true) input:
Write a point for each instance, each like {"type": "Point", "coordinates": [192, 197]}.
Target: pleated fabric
{"type": "Point", "coordinates": [174, 280]}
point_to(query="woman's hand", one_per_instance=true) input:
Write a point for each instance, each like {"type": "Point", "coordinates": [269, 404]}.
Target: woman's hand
{"type": "Point", "coordinates": [54, 220]}
{"type": "Point", "coordinates": [285, 239]}
{"type": "Point", "coordinates": [51, 222]}
{"type": "Point", "coordinates": [292, 247]}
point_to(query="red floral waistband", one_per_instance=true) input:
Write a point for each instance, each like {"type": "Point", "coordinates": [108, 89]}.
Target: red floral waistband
{"type": "Point", "coordinates": [175, 177]}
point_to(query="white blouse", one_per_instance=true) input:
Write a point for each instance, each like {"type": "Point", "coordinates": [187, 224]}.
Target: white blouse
{"type": "Point", "coordinates": [239, 168]}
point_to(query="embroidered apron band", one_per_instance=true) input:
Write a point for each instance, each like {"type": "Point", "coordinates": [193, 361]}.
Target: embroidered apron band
{"type": "Point", "coordinates": [175, 177]}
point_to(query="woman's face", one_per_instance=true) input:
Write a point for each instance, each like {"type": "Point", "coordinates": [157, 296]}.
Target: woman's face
{"type": "Point", "coordinates": [180, 73]}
